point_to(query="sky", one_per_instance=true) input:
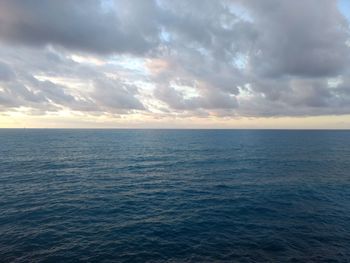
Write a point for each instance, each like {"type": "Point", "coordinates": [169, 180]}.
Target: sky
{"type": "Point", "coordinates": [175, 64]}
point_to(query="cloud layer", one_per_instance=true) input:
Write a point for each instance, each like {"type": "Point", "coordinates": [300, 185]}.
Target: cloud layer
{"type": "Point", "coordinates": [183, 58]}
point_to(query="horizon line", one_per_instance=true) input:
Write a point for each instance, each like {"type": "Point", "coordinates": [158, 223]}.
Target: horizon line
{"type": "Point", "coordinates": [228, 129]}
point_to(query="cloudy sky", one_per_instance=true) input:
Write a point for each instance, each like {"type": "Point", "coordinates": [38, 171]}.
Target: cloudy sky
{"type": "Point", "coordinates": [175, 64]}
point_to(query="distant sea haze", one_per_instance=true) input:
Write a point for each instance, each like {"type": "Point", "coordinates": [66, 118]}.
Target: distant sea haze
{"type": "Point", "coordinates": [174, 196]}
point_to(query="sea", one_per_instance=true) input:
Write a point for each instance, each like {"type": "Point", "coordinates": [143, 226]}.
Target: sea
{"type": "Point", "coordinates": [174, 195]}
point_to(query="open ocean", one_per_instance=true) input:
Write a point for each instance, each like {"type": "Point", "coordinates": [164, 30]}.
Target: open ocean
{"type": "Point", "coordinates": [174, 196]}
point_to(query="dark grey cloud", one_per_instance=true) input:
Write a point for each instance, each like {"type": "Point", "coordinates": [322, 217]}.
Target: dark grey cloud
{"type": "Point", "coordinates": [232, 57]}
{"type": "Point", "coordinates": [84, 26]}
{"type": "Point", "coordinates": [299, 38]}
{"type": "Point", "coordinates": [6, 74]}
{"type": "Point", "coordinates": [116, 95]}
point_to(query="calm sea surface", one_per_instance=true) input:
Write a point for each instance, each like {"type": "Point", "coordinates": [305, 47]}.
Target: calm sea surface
{"type": "Point", "coordinates": [174, 196]}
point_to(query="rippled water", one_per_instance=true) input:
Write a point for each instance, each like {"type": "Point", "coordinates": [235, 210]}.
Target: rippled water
{"type": "Point", "coordinates": [174, 196]}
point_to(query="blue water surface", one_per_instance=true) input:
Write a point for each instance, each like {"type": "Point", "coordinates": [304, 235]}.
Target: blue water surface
{"type": "Point", "coordinates": [174, 196]}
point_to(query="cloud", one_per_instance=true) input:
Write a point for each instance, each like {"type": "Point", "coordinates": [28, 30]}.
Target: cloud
{"type": "Point", "coordinates": [190, 57]}
{"type": "Point", "coordinates": [115, 95]}
{"type": "Point", "coordinates": [26, 90]}
{"type": "Point", "coordinates": [298, 38]}
{"type": "Point", "coordinates": [6, 74]}
{"type": "Point", "coordinates": [73, 25]}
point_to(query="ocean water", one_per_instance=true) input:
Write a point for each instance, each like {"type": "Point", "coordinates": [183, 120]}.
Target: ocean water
{"type": "Point", "coordinates": [174, 196]}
